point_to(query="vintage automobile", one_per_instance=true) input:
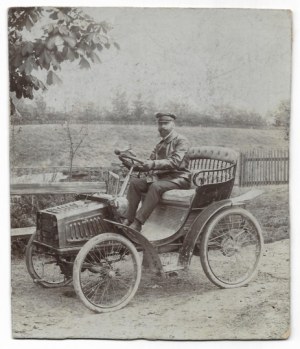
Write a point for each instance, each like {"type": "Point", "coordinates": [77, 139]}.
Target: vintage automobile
{"type": "Point", "coordinates": [85, 240]}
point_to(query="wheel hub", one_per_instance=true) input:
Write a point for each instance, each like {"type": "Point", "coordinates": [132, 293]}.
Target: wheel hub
{"type": "Point", "coordinates": [111, 274]}
{"type": "Point", "coordinates": [229, 246]}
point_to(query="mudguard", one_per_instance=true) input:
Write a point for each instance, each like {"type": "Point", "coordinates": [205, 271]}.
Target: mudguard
{"type": "Point", "coordinates": [198, 225]}
{"type": "Point", "coordinates": [151, 259]}
{"type": "Point", "coordinates": [186, 251]}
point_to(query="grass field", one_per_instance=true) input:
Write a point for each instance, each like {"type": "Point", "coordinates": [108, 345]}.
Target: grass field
{"type": "Point", "coordinates": [47, 145]}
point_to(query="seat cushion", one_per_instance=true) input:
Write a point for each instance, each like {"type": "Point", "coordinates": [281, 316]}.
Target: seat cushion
{"type": "Point", "coordinates": [179, 195]}
{"type": "Point", "coordinates": [211, 152]}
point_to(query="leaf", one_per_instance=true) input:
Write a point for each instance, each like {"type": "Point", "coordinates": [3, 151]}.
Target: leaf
{"type": "Point", "coordinates": [80, 51]}
{"type": "Point", "coordinates": [70, 54]}
{"type": "Point", "coordinates": [34, 65]}
{"type": "Point", "coordinates": [22, 68]}
{"type": "Point", "coordinates": [96, 39]}
{"type": "Point", "coordinates": [50, 44]}
{"type": "Point", "coordinates": [28, 65]}
{"type": "Point", "coordinates": [49, 28]}
{"type": "Point", "coordinates": [42, 85]}
{"type": "Point", "coordinates": [90, 37]}
{"type": "Point", "coordinates": [63, 30]}
{"type": "Point", "coordinates": [55, 31]}
{"type": "Point", "coordinates": [70, 41]}
{"type": "Point", "coordinates": [44, 60]}
{"type": "Point", "coordinates": [74, 29]}
{"type": "Point", "coordinates": [53, 79]}
{"type": "Point", "coordinates": [47, 57]}
{"type": "Point", "coordinates": [103, 26]}
{"type": "Point", "coordinates": [65, 51]}
{"type": "Point", "coordinates": [90, 26]}
{"type": "Point", "coordinates": [117, 45]}
{"type": "Point", "coordinates": [84, 64]}
{"type": "Point", "coordinates": [60, 15]}
{"type": "Point", "coordinates": [37, 84]}
{"type": "Point", "coordinates": [28, 24]}
{"type": "Point", "coordinates": [54, 61]}
{"type": "Point", "coordinates": [34, 16]}
{"type": "Point", "coordinates": [39, 47]}
{"type": "Point", "coordinates": [17, 59]}
{"type": "Point", "coordinates": [53, 15]}
{"type": "Point", "coordinates": [95, 58]}
{"type": "Point", "coordinates": [27, 48]}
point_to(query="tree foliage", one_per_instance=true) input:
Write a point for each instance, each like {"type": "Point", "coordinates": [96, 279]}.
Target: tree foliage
{"type": "Point", "coordinates": [120, 106]}
{"type": "Point", "coordinates": [69, 35]}
{"type": "Point", "coordinates": [138, 108]}
{"type": "Point", "coordinates": [281, 115]}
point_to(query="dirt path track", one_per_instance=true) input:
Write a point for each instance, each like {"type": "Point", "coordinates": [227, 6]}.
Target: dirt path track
{"type": "Point", "coordinates": [184, 307]}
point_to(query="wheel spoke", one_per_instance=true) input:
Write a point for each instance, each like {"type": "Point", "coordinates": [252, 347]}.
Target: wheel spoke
{"type": "Point", "coordinates": [45, 267]}
{"type": "Point", "coordinates": [107, 278]}
{"type": "Point", "coordinates": [233, 248]}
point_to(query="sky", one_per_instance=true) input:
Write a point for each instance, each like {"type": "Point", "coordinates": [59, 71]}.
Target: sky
{"type": "Point", "coordinates": [200, 57]}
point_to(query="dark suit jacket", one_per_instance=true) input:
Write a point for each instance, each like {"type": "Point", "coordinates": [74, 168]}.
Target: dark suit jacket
{"type": "Point", "coordinates": [171, 160]}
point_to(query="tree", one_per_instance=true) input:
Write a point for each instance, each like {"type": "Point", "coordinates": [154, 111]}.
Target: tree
{"type": "Point", "coordinates": [75, 139]}
{"type": "Point", "coordinates": [41, 107]}
{"type": "Point", "coordinates": [281, 116]}
{"type": "Point", "coordinates": [120, 107]}
{"type": "Point", "coordinates": [138, 111]}
{"type": "Point", "coordinates": [70, 35]}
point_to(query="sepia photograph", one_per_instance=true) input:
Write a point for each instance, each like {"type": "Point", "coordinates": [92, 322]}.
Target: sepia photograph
{"type": "Point", "coordinates": [149, 172]}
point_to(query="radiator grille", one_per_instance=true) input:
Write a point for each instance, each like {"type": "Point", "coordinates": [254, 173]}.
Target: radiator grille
{"type": "Point", "coordinates": [47, 229]}
{"type": "Point", "coordinates": [84, 229]}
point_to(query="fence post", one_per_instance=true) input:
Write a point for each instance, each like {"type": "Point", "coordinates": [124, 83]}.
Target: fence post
{"type": "Point", "coordinates": [241, 169]}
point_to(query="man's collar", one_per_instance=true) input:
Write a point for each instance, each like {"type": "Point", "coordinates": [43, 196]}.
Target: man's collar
{"type": "Point", "coordinates": [170, 136]}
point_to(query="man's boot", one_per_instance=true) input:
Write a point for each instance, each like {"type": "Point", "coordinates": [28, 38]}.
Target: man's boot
{"type": "Point", "coordinates": [136, 225]}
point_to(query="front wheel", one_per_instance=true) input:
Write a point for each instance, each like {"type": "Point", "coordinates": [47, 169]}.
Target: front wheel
{"type": "Point", "coordinates": [107, 272]}
{"type": "Point", "coordinates": [45, 267]}
{"type": "Point", "coordinates": [231, 247]}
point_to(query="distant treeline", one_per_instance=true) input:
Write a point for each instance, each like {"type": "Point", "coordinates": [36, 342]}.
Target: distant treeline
{"type": "Point", "coordinates": [139, 111]}
{"type": "Point", "coordinates": [233, 120]}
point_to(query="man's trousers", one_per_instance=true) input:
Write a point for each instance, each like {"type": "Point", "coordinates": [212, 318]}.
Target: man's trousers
{"type": "Point", "coordinates": [154, 191]}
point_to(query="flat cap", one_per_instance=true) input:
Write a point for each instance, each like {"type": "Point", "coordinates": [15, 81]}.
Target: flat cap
{"type": "Point", "coordinates": [165, 116]}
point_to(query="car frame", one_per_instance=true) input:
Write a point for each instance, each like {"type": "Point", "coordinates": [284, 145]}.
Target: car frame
{"type": "Point", "coordinates": [87, 242]}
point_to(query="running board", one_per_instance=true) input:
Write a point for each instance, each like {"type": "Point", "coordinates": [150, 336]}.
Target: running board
{"type": "Point", "coordinates": [170, 267]}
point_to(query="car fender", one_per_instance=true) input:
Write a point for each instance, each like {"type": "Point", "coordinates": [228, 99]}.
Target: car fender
{"type": "Point", "coordinates": [192, 236]}
{"type": "Point", "coordinates": [203, 218]}
{"type": "Point", "coordinates": [151, 258]}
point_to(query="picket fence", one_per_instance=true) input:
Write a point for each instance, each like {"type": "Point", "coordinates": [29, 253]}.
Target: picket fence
{"type": "Point", "coordinates": [264, 167]}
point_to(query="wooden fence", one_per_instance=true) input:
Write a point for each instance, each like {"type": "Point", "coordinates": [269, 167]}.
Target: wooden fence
{"type": "Point", "coordinates": [261, 167]}
{"type": "Point", "coordinates": [56, 188]}
{"type": "Point", "coordinates": [256, 167]}
{"type": "Point", "coordinates": [50, 188]}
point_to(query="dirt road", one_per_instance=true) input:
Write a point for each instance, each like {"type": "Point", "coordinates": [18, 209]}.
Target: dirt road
{"type": "Point", "coordinates": [184, 307]}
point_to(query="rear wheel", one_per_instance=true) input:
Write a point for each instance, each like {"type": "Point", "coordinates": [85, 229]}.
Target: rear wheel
{"type": "Point", "coordinates": [107, 272]}
{"type": "Point", "coordinates": [45, 267]}
{"type": "Point", "coordinates": [231, 248]}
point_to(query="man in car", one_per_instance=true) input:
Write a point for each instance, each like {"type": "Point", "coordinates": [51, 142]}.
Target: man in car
{"type": "Point", "coordinates": [167, 169]}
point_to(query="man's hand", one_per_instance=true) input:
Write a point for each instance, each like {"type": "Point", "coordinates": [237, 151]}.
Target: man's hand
{"type": "Point", "coordinates": [126, 163]}
{"type": "Point", "coordinates": [147, 166]}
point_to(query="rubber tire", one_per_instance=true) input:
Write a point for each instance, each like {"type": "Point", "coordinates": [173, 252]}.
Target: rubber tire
{"type": "Point", "coordinates": [32, 272]}
{"type": "Point", "coordinates": [203, 247]}
{"type": "Point", "coordinates": [80, 258]}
